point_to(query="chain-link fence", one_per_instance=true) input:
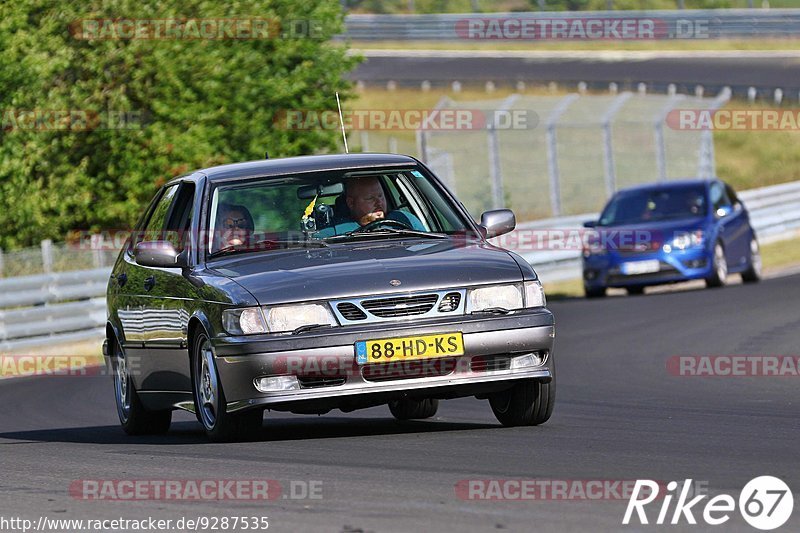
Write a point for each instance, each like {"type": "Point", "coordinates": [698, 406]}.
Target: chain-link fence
{"type": "Point", "coordinates": [568, 155]}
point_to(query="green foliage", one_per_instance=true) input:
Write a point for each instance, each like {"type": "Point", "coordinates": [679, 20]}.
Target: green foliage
{"type": "Point", "coordinates": [192, 103]}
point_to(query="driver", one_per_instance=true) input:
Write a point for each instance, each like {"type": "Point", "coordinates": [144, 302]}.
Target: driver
{"type": "Point", "coordinates": [367, 203]}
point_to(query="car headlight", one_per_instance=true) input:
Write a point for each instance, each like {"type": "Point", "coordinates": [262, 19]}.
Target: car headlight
{"type": "Point", "coordinates": [248, 321]}
{"type": "Point", "coordinates": [495, 297]}
{"type": "Point", "coordinates": [534, 294]}
{"type": "Point", "coordinates": [290, 317]}
{"type": "Point", "coordinates": [593, 246]}
{"type": "Point", "coordinates": [685, 240]}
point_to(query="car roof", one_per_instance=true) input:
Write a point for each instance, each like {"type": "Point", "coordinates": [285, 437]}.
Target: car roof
{"type": "Point", "coordinates": [306, 163]}
{"type": "Point", "coordinates": [671, 184]}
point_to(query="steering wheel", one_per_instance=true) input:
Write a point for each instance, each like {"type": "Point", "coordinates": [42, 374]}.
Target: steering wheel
{"type": "Point", "coordinates": [381, 222]}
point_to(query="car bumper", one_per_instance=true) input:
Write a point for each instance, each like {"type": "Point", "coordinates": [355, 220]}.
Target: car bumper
{"type": "Point", "coordinates": [332, 379]}
{"type": "Point", "coordinates": [606, 270]}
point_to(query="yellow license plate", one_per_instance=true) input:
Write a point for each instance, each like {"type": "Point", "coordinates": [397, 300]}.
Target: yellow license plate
{"type": "Point", "coordinates": [408, 348]}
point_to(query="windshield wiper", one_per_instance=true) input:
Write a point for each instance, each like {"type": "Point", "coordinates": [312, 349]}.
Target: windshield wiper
{"type": "Point", "coordinates": [493, 311]}
{"type": "Point", "coordinates": [310, 243]}
{"type": "Point", "coordinates": [262, 246]}
{"type": "Point", "coordinates": [309, 327]}
{"type": "Point", "coordinates": [383, 232]}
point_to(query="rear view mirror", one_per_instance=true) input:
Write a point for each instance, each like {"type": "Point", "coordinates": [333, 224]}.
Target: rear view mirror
{"type": "Point", "coordinates": [498, 222]}
{"type": "Point", "coordinates": [306, 192]}
{"type": "Point", "coordinates": [590, 224]}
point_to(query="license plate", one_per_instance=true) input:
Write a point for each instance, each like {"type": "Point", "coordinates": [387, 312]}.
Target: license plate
{"type": "Point", "coordinates": [409, 348]}
{"type": "Point", "coordinates": [640, 267]}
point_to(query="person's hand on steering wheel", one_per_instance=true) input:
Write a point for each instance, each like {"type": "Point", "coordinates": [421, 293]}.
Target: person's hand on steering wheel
{"type": "Point", "coordinates": [382, 222]}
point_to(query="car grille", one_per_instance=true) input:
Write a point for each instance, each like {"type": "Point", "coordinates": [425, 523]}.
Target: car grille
{"type": "Point", "coordinates": [403, 306]}
{"type": "Point", "coordinates": [488, 363]}
{"type": "Point", "coordinates": [450, 302]}
{"type": "Point", "coordinates": [313, 382]}
{"type": "Point", "coordinates": [424, 368]}
{"type": "Point", "coordinates": [399, 306]}
{"type": "Point", "coordinates": [350, 311]}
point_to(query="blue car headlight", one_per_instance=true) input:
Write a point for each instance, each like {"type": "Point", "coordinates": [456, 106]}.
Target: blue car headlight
{"type": "Point", "coordinates": [685, 240]}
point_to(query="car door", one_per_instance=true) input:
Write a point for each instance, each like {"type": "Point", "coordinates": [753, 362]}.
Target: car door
{"type": "Point", "coordinates": [167, 299]}
{"type": "Point", "coordinates": [732, 223]}
{"type": "Point", "coordinates": [131, 281]}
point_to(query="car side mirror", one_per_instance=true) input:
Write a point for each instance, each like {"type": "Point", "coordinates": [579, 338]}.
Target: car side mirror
{"type": "Point", "coordinates": [590, 224]}
{"type": "Point", "coordinates": [160, 254]}
{"type": "Point", "coordinates": [498, 222]}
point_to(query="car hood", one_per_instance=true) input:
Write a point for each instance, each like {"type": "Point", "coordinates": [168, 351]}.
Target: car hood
{"type": "Point", "coordinates": [367, 268]}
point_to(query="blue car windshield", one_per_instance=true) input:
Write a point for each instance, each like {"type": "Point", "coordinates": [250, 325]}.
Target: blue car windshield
{"type": "Point", "coordinates": [651, 205]}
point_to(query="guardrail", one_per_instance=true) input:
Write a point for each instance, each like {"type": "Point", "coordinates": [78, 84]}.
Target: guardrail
{"type": "Point", "coordinates": [49, 309]}
{"type": "Point", "coordinates": [674, 24]}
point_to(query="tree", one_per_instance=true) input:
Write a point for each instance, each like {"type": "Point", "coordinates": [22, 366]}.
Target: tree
{"type": "Point", "coordinates": [141, 111]}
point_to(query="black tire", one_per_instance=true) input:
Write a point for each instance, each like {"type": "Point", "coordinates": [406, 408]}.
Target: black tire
{"type": "Point", "coordinates": [528, 403]}
{"type": "Point", "coordinates": [753, 272]}
{"type": "Point", "coordinates": [719, 268]}
{"type": "Point", "coordinates": [594, 292]}
{"type": "Point", "coordinates": [210, 403]}
{"type": "Point", "coordinates": [414, 409]}
{"type": "Point", "coordinates": [133, 417]}
{"type": "Point", "coordinates": [635, 290]}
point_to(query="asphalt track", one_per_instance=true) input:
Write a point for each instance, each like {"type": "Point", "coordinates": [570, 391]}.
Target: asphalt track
{"type": "Point", "coordinates": [619, 416]}
{"type": "Point", "coordinates": [714, 70]}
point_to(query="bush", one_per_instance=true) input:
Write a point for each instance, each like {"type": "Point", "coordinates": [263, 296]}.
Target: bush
{"type": "Point", "coordinates": [188, 104]}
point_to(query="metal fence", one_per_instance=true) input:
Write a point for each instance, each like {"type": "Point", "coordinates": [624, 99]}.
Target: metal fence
{"type": "Point", "coordinates": [568, 156]}
{"type": "Point", "coordinates": [675, 24]}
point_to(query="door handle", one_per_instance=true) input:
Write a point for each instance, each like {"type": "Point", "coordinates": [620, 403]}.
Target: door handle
{"type": "Point", "coordinates": [149, 283]}
{"type": "Point", "coordinates": [122, 279]}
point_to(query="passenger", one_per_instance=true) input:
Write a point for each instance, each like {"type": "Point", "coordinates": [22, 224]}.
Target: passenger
{"type": "Point", "coordinates": [234, 225]}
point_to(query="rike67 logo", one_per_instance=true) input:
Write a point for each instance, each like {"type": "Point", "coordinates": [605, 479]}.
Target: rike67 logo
{"type": "Point", "coordinates": [765, 503]}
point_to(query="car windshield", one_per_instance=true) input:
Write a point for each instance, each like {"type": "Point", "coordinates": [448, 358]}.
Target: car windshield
{"type": "Point", "coordinates": [651, 205]}
{"type": "Point", "coordinates": [315, 209]}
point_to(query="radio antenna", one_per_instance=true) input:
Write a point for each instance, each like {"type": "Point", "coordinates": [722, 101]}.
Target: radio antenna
{"type": "Point", "coordinates": [341, 121]}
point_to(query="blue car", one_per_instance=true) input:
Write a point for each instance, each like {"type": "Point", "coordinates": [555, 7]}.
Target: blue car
{"type": "Point", "coordinates": [670, 232]}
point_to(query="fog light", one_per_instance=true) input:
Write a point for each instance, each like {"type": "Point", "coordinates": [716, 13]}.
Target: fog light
{"type": "Point", "coordinates": [277, 383]}
{"type": "Point", "coordinates": [527, 360]}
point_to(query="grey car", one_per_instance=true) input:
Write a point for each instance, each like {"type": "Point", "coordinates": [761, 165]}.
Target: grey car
{"type": "Point", "coordinates": [256, 286]}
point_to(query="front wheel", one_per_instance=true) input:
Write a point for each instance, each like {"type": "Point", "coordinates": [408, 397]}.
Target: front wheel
{"type": "Point", "coordinates": [414, 409]}
{"type": "Point", "coordinates": [719, 270]}
{"type": "Point", "coordinates": [528, 403]}
{"type": "Point", "coordinates": [594, 292]}
{"type": "Point", "coordinates": [210, 403]}
{"type": "Point", "coordinates": [134, 418]}
{"type": "Point", "coordinates": [753, 272]}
